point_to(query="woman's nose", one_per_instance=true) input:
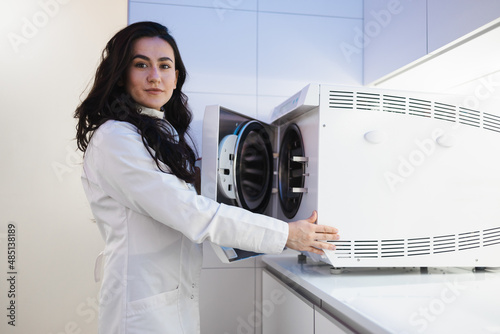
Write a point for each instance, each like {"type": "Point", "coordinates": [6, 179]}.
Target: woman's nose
{"type": "Point", "coordinates": [154, 75]}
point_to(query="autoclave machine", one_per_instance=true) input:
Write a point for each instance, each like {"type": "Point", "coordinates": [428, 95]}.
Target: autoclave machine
{"type": "Point", "coordinates": [408, 180]}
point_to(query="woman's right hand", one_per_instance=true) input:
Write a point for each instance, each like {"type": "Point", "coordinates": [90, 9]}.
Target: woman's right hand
{"type": "Point", "coordinates": [305, 235]}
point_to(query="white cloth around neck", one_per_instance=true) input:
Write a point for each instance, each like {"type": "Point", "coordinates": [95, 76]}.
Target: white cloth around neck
{"type": "Point", "coordinates": [159, 114]}
{"type": "Point", "coordinates": [150, 111]}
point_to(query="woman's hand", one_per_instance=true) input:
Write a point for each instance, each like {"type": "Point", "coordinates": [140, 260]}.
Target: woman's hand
{"type": "Point", "coordinates": [304, 235]}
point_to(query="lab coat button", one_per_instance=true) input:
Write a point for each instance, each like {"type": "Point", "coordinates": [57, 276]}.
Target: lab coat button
{"type": "Point", "coordinates": [194, 285]}
{"type": "Point", "coordinates": [192, 296]}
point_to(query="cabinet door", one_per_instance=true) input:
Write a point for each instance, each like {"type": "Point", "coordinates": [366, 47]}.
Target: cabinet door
{"type": "Point", "coordinates": [283, 310]}
{"type": "Point", "coordinates": [227, 300]}
{"type": "Point", "coordinates": [324, 324]}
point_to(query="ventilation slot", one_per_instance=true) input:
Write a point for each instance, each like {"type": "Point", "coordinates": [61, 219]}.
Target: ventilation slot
{"type": "Point", "coordinates": [342, 100]}
{"type": "Point", "coordinates": [491, 122]}
{"type": "Point", "coordinates": [343, 249]}
{"type": "Point", "coordinates": [420, 108]}
{"type": "Point", "coordinates": [367, 101]}
{"type": "Point", "coordinates": [468, 240]}
{"type": "Point", "coordinates": [444, 244]}
{"type": "Point", "coordinates": [373, 101]}
{"type": "Point", "coordinates": [393, 248]}
{"type": "Point", "coordinates": [395, 104]}
{"type": "Point", "coordinates": [444, 112]}
{"type": "Point", "coordinates": [491, 236]}
{"type": "Point", "coordinates": [419, 246]}
{"type": "Point", "coordinates": [366, 249]}
{"type": "Point", "coordinates": [416, 246]}
{"type": "Point", "coordinates": [469, 117]}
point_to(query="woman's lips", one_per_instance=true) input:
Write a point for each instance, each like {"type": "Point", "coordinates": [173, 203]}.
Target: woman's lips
{"type": "Point", "coordinates": [154, 91]}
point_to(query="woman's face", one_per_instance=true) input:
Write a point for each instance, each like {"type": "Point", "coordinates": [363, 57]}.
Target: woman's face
{"type": "Point", "coordinates": [151, 76]}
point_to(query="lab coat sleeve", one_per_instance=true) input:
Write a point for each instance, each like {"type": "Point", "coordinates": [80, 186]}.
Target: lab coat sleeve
{"type": "Point", "coordinates": [119, 163]}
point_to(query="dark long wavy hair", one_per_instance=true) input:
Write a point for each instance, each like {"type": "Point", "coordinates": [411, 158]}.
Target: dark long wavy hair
{"type": "Point", "coordinates": [108, 100]}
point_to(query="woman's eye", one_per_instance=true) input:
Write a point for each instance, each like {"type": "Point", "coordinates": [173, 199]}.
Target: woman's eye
{"type": "Point", "coordinates": [140, 65]}
{"type": "Point", "coordinates": [165, 66]}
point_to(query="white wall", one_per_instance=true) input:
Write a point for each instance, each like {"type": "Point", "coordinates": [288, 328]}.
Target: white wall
{"type": "Point", "coordinates": [50, 49]}
{"type": "Point", "coordinates": [449, 20]}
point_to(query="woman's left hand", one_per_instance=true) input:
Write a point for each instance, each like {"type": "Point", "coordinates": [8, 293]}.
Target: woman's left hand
{"type": "Point", "coordinates": [305, 235]}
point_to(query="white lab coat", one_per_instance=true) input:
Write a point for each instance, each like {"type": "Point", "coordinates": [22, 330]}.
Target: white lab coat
{"type": "Point", "coordinates": [153, 224]}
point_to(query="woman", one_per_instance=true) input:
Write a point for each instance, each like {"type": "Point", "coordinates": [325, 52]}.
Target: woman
{"type": "Point", "coordinates": [138, 175]}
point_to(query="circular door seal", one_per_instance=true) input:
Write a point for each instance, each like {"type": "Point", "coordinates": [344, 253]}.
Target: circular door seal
{"type": "Point", "coordinates": [253, 167]}
{"type": "Point", "coordinates": [291, 175]}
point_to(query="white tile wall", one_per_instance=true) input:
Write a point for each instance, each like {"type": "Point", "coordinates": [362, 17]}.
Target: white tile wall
{"type": "Point", "coordinates": [395, 36]}
{"type": "Point", "coordinates": [451, 19]}
{"type": "Point", "coordinates": [219, 5]}
{"type": "Point", "coordinates": [295, 50]}
{"type": "Point", "coordinates": [338, 8]}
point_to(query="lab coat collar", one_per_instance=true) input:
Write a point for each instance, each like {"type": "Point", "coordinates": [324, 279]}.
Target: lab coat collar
{"type": "Point", "coordinates": [159, 114]}
{"type": "Point", "coordinates": [150, 111]}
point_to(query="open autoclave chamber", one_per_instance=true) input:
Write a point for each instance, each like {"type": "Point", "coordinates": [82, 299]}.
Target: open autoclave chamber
{"type": "Point", "coordinates": [408, 180]}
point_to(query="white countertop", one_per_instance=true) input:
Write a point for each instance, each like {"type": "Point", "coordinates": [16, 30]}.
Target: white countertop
{"type": "Point", "coordinates": [400, 300]}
